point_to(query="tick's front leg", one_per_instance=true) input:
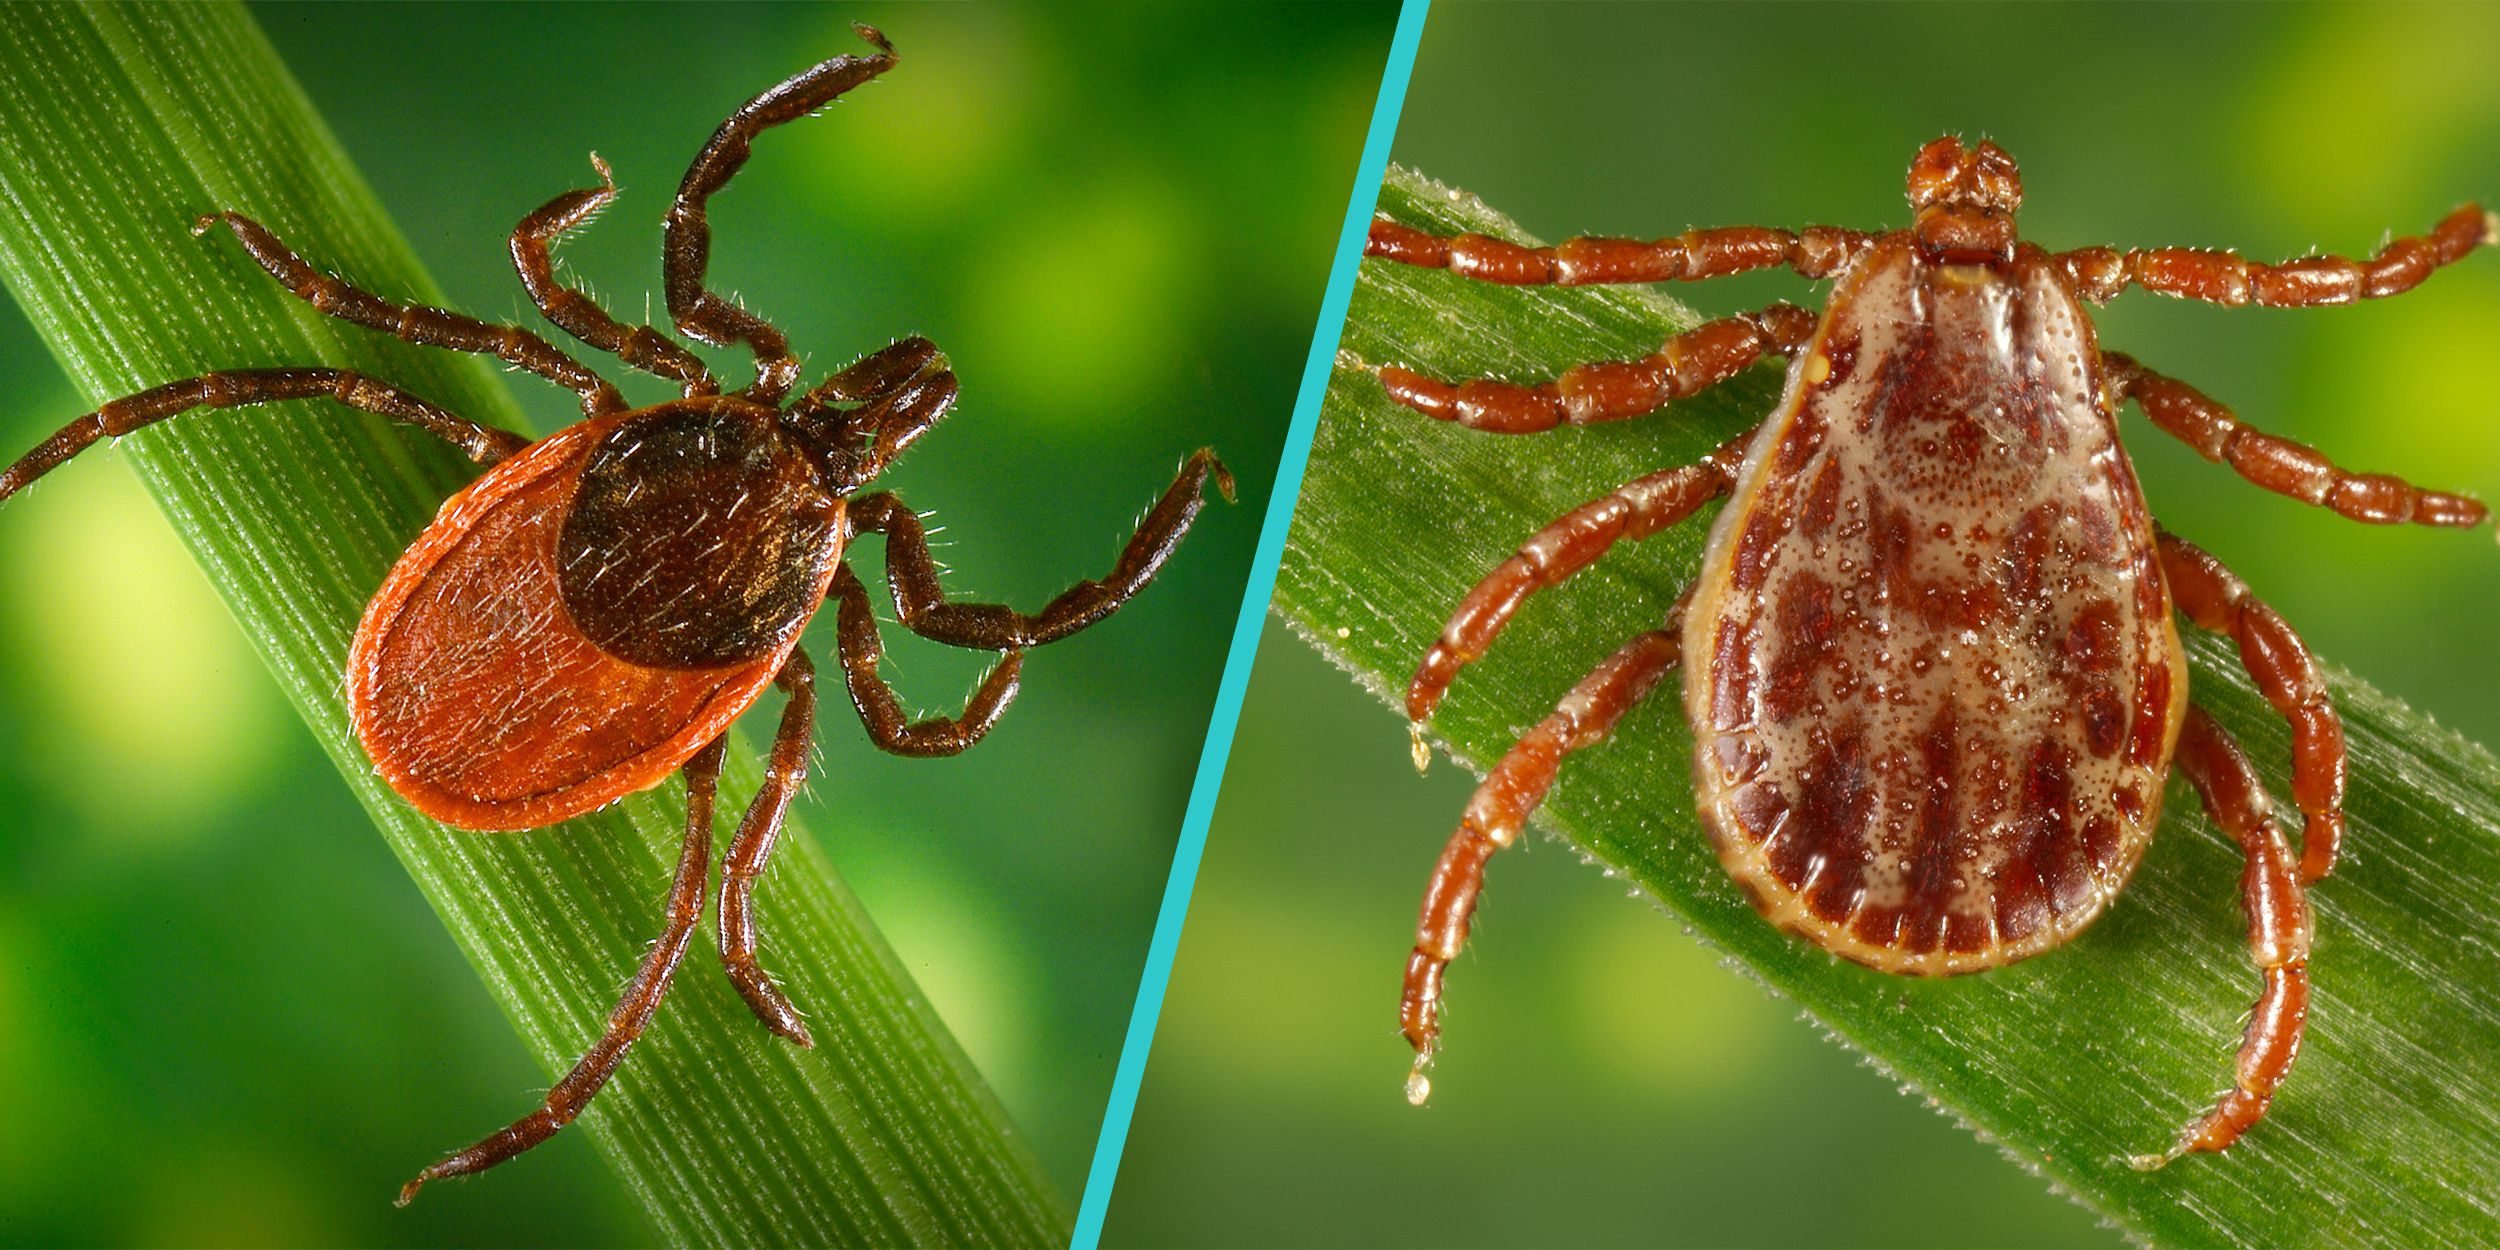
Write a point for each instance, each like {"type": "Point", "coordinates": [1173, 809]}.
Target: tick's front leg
{"type": "Point", "coordinates": [1818, 252]}
{"type": "Point", "coordinates": [2219, 277]}
{"type": "Point", "coordinates": [2277, 908]}
{"type": "Point", "coordinates": [1699, 358]}
{"type": "Point", "coordinates": [686, 245]}
{"type": "Point", "coordinates": [1501, 806]}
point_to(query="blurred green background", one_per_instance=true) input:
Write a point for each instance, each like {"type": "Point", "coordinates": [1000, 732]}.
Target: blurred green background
{"type": "Point", "coordinates": [225, 1018]}
{"type": "Point", "coordinates": [1616, 1087]}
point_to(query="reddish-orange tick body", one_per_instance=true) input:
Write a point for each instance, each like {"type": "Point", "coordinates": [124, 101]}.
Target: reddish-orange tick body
{"type": "Point", "coordinates": [592, 614]}
{"type": "Point", "coordinates": [1930, 664]}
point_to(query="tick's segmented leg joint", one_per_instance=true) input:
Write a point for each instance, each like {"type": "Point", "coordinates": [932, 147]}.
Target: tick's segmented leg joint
{"type": "Point", "coordinates": [1559, 552]}
{"type": "Point", "coordinates": [1816, 252]}
{"type": "Point", "coordinates": [1693, 361]}
{"type": "Point", "coordinates": [1494, 817]}
{"type": "Point", "coordinates": [2279, 464]}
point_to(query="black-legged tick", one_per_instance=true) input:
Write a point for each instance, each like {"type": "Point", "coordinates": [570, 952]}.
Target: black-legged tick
{"type": "Point", "coordinates": [592, 614]}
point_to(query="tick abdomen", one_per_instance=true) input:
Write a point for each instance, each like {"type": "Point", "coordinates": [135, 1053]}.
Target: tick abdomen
{"type": "Point", "coordinates": [468, 679]}
{"type": "Point", "coordinates": [1932, 674]}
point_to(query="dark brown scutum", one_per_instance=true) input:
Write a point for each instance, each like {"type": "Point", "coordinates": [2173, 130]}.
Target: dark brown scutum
{"type": "Point", "coordinates": [699, 535]}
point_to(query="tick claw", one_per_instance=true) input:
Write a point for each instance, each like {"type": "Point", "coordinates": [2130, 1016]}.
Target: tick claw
{"type": "Point", "coordinates": [1416, 747]}
{"type": "Point", "coordinates": [1418, 1087]}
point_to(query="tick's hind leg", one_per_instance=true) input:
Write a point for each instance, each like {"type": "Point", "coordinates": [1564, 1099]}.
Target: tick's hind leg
{"type": "Point", "coordinates": [2217, 277]}
{"type": "Point", "coordinates": [922, 605]}
{"type": "Point", "coordinates": [416, 323]}
{"type": "Point", "coordinates": [576, 312]}
{"type": "Point", "coordinates": [882, 712]}
{"type": "Point", "coordinates": [2287, 675]}
{"type": "Point", "coordinates": [2277, 908]}
{"type": "Point", "coordinates": [634, 1008]}
{"type": "Point", "coordinates": [686, 248]}
{"type": "Point", "coordinates": [1501, 806]}
{"type": "Point", "coordinates": [235, 388]}
{"type": "Point", "coordinates": [2279, 464]}
{"type": "Point", "coordinates": [753, 846]}
{"type": "Point", "coordinates": [1555, 554]}
{"type": "Point", "coordinates": [1818, 252]}
{"type": "Point", "coordinates": [1701, 357]}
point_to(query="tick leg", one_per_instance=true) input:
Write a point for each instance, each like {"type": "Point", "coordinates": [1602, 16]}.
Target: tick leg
{"type": "Point", "coordinates": [2219, 277]}
{"type": "Point", "coordinates": [1818, 252]}
{"type": "Point", "coordinates": [882, 712]}
{"type": "Point", "coordinates": [686, 247]}
{"type": "Point", "coordinates": [1500, 807]}
{"type": "Point", "coordinates": [753, 846]}
{"type": "Point", "coordinates": [235, 388]}
{"type": "Point", "coordinates": [633, 1010]}
{"type": "Point", "coordinates": [880, 405]}
{"type": "Point", "coordinates": [2287, 675]}
{"type": "Point", "coordinates": [416, 323]}
{"type": "Point", "coordinates": [577, 313]}
{"type": "Point", "coordinates": [1701, 357]}
{"type": "Point", "coordinates": [1636, 509]}
{"type": "Point", "coordinates": [921, 602]}
{"type": "Point", "coordinates": [2279, 464]}
{"type": "Point", "coordinates": [2278, 934]}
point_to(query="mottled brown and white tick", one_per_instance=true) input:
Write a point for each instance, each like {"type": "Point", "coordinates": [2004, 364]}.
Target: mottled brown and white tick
{"type": "Point", "coordinates": [1936, 686]}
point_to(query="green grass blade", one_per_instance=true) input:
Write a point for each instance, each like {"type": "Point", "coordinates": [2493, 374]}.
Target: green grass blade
{"type": "Point", "coordinates": [2389, 1131]}
{"type": "Point", "coordinates": [118, 126]}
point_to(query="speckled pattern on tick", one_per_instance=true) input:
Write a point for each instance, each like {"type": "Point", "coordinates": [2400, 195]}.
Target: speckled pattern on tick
{"type": "Point", "coordinates": [1936, 687]}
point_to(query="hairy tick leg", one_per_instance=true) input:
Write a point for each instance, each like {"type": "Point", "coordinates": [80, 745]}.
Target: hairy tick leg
{"type": "Point", "coordinates": [686, 244]}
{"type": "Point", "coordinates": [235, 388]}
{"type": "Point", "coordinates": [1695, 360]}
{"type": "Point", "coordinates": [1557, 553]}
{"type": "Point", "coordinates": [634, 1008]}
{"type": "Point", "coordinates": [752, 847]}
{"type": "Point", "coordinates": [1501, 806]}
{"type": "Point", "coordinates": [416, 323]}
{"type": "Point", "coordinates": [1817, 252]}
{"type": "Point", "coordinates": [2279, 464]}
{"type": "Point", "coordinates": [2277, 907]}
{"type": "Point", "coordinates": [574, 311]}
{"type": "Point", "coordinates": [2287, 675]}
{"type": "Point", "coordinates": [922, 604]}
{"type": "Point", "coordinates": [882, 712]}
{"type": "Point", "coordinates": [2220, 277]}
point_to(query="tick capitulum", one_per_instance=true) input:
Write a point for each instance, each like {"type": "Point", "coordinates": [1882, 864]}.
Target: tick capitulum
{"type": "Point", "coordinates": [1936, 687]}
{"type": "Point", "coordinates": [592, 614]}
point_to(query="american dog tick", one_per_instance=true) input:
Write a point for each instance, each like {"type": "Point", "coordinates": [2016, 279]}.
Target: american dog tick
{"type": "Point", "coordinates": [1937, 685]}
{"type": "Point", "coordinates": [592, 614]}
